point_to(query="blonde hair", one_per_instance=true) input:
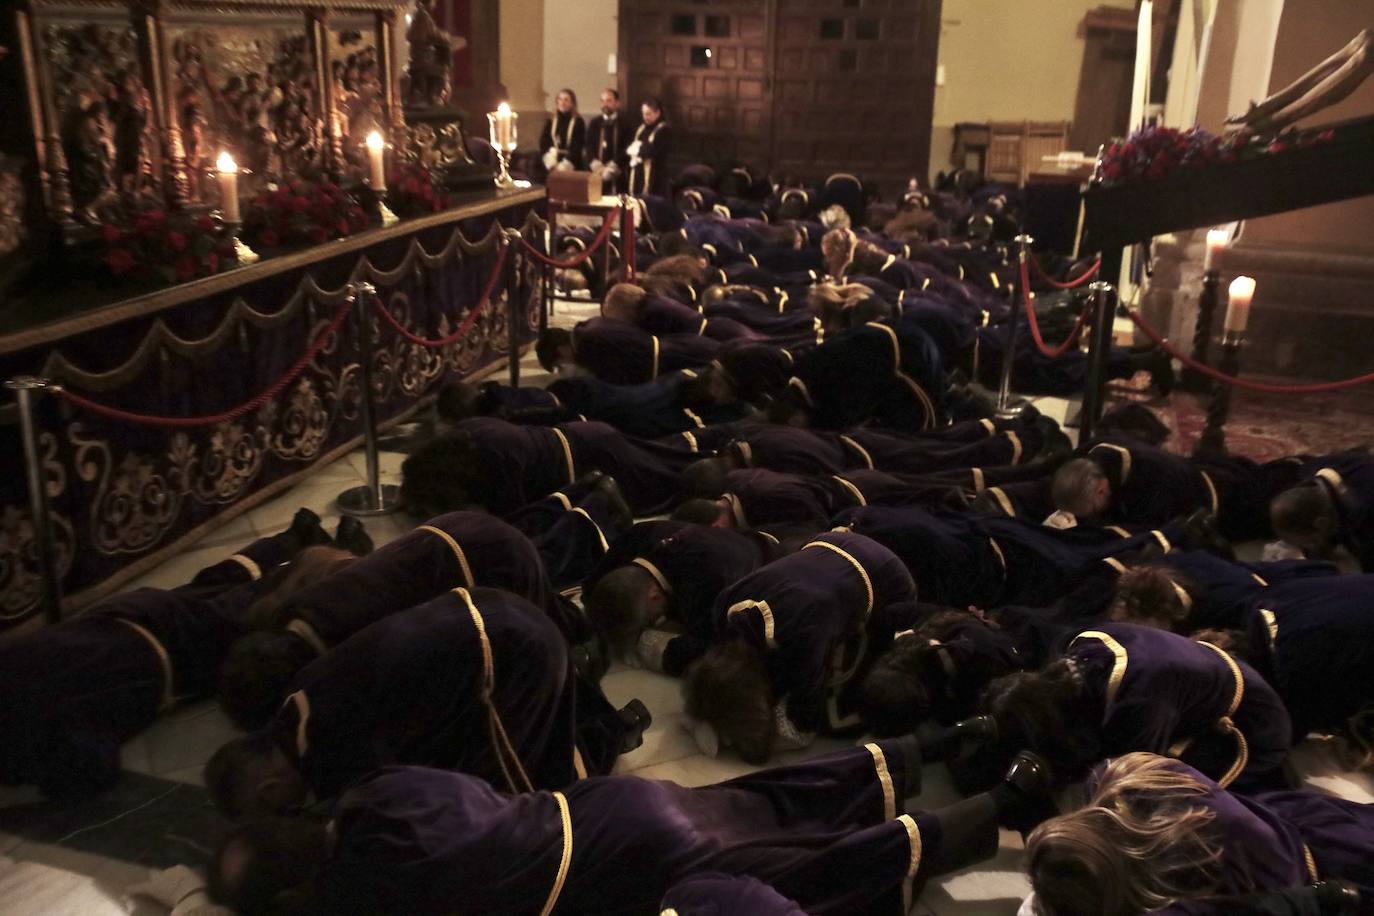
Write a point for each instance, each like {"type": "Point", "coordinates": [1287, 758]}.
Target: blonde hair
{"type": "Point", "coordinates": [1141, 844]}
{"type": "Point", "coordinates": [683, 267]}
{"type": "Point", "coordinates": [622, 302]}
{"type": "Point", "coordinates": [828, 300]}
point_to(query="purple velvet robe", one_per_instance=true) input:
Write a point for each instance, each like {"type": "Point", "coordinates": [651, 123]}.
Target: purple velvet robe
{"type": "Point", "coordinates": [418, 841]}
{"type": "Point", "coordinates": [1349, 479]}
{"type": "Point", "coordinates": [620, 353]}
{"type": "Point", "coordinates": [725, 895]}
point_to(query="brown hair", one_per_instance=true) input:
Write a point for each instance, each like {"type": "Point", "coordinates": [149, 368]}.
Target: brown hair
{"type": "Point", "coordinates": [1141, 844]}
{"type": "Point", "coordinates": [311, 565]}
{"type": "Point", "coordinates": [685, 268]}
{"type": "Point", "coordinates": [622, 302]}
{"type": "Point", "coordinates": [1149, 595]}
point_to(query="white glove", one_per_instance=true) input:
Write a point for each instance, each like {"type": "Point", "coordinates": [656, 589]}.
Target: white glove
{"type": "Point", "coordinates": [596, 166]}
{"type": "Point", "coordinates": [180, 889]}
{"type": "Point", "coordinates": [1281, 550]}
{"type": "Point", "coordinates": [564, 166]}
{"type": "Point", "coordinates": [789, 736]}
{"type": "Point", "coordinates": [703, 735]}
{"type": "Point", "coordinates": [551, 159]}
{"type": "Point", "coordinates": [611, 171]}
{"type": "Point", "coordinates": [633, 149]}
{"type": "Point", "coordinates": [1061, 520]}
{"type": "Point", "coordinates": [650, 648]}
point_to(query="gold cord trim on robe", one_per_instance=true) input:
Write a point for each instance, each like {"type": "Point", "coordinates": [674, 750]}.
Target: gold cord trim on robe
{"type": "Point", "coordinates": [913, 839]}
{"type": "Point", "coordinates": [164, 660]}
{"type": "Point", "coordinates": [996, 283]}
{"type": "Point", "coordinates": [853, 490]}
{"type": "Point", "coordinates": [1125, 457]}
{"type": "Point", "coordinates": [891, 259]}
{"type": "Point", "coordinates": [988, 425]}
{"type": "Point", "coordinates": [1184, 598]}
{"type": "Point", "coordinates": [502, 748]}
{"type": "Point", "coordinates": [1115, 564]}
{"type": "Point", "coordinates": [567, 450]}
{"type": "Point", "coordinates": [306, 632]}
{"type": "Point", "coordinates": [1311, 862]}
{"type": "Point", "coordinates": [1002, 500]}
{"type": "Point", "coordinates": [863, 452]}
{"type": "Point", "coordinates": [782, 301]}
{"type": "Point", "coordinates": [1259, 579]}
{"type": "Point", "coordinates": [980, 482]}
{"type": "Point", "coordinates": [1331, 476]}
{"type": "Point", "coordinates": [556, 401]}
{"type": "Point", "coordinates": [579, 765]}
{"type": "Point", "coordinates": [926, 404]}
{"type": "Point", "coordinates": [565, 815]}
{"type": "Point", "coordinates": [858, 567]}
{"type": "Point", "coordinates": [925, 284]}
{"type": "Point", "coordinates": [765, 613]}
{"type": "Point", "coordinates": [1118, 530]}
{"type": "Point", "coordinates": [701, 328]}
{"type": "Point", "coordinates": [654, 571]}
{"type": "Point", "coordinates": [767, 537]}
{"type": "Point", "coordinates": [302, 704]}
{"type": "Point", "coordinates": [1163, 541]}
{"type": "Point", "coordinates": [1015, 447]}
{"type": "Point", "coordinates": [653, 370]}
{"type": "Point", "coordinates": [605, 546]}
{"type": "Point", "coordinates": [694, 418]}
{"type": "Point", "coordinates": [745, 451]}
{"type": "Point", "coordinates": [691, 441]}
{"type": "Point", "coordinates": [884, 780]}
{"type": "Point", "coordinates": [997, 551]}
{"type": "Point", "coordinates": [1226, 724]}
{"type": "Point", "coordinates": [1118, 665]}
{"type": "Point", "coordinates": [802, 390]}
{"type": "Point", "coordinates": [458, 553]}
{"type": "Point", "coordinates": [254, 570]}
{"type": "Point", "coordinates": [1211, 491]}
{"type": "Point", "coordinates": [562, 500]}
{"type": "Point", "coordinates": [737, 510]}
{"type": "Point", "coordinates": [1271, 625]}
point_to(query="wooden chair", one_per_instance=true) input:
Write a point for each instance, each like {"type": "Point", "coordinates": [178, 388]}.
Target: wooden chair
{"type": "Point", "coordinates": [1016, 147]}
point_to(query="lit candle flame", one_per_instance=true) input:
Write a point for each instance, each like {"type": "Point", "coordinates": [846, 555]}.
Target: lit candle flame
{"type": "Point", "coordinates": [503, 108]}
{"type": "Point", "coordinates": [226, 163]}
{"type": "Point", "coordinates": [375, 141]}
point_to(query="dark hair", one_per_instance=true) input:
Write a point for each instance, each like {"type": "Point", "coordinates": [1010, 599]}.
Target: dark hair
{"type": "Point", "coordinates": [1236, 643]}
{"type": "Point", "coordinates": [787, 411]}
{"type": "Point", "coordinates": [618, 605]}
{"type": "Point", "coordinates": [1149, 595]}
{"type": "Point", "coordinates": [1135, 421]}
{"type": "Point", "coordinates": [458, 401]}
{"type": "Point", "coordinates": [269, 611]}
{"type": "Point", "coordinates": [615, 93]}
{"type": "Point", "coordinates": [437, 478]}
{"type": "Point", "coordinates": [256, 672]}
{"type": "Point", "coordinates": [894, 699]}
{"type": "Point", "coordinates": [711, 387]}
{"type": "Point", "coordinates": [546, 347]}
{"type": "Point", "coordinates": [230, 770]}
{"type": "Point", "coordinates": [1047, 712]}
{"type": "Point", "coordinates": [729, 688]}
{"type": "Point", "coordinates": [267, 867]}
{"type": "Point", "coordinates": [1298, 509]}
{"type": "Point", "coordinates": [697, 511]}
{"type": "Point", "coordinates": [705, 478]}
{"type": "Point", "coordinates": [653, 103]}
{"type": "Point", "coordinates": [572, 95]}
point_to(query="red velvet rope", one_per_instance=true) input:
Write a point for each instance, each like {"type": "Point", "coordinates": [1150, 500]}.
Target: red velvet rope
{"type": "Point", "coordinates": [1241, 383]}
{"type": "Point", "coordinates": [1078, 281]}
{"type": "Point", "coordinates": [482, 302]}
{"type": "Point", "coordinates": [275, 389]}
{"type": "Point", "coordinates": [1051, 352]}
{"type": "Point", "coordinates": [582, 257]}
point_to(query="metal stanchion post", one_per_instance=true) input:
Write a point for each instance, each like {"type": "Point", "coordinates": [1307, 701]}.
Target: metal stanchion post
{"type": "Point", "coordinates": [1094, 394]}
{"type": "Point", "coordinates": [1213, 438]}
{"type": "Point", "coordinates": [546, 281]}
{"type": "Point", "coordinates": [45, 551]}
{"type": "Point", "coordinates": [1202, 331]}
{"type": "Point", "coordinates": [373, 497]}
{"type": "Point", "coordinates": [513, 305]}
{"type": "Point", "coordinates": [1007, 407]}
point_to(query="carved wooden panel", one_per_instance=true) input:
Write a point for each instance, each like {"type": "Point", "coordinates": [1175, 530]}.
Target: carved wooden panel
{"type": "Point", "coordinates": [806, 86]}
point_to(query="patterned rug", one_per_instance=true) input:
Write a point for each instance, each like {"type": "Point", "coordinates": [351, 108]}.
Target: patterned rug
{"type": "Point", "coordinates": [1263, 426]}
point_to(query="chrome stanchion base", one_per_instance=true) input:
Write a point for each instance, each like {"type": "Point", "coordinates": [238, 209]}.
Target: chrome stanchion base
{"type": "Point", "coordinates": [361, 500]}
{"type": "Point", "coordinates": [1012, 409]}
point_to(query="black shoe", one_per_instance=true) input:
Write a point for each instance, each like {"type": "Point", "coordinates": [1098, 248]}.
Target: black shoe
{"type": "Point", "coordinates": [1055, 444]}
{"type": "Point", "coordinates": [591, 659]}
{"type": "Point", "coordinates": [636, 718]}
{"type": "Point", "coordinates": [305, 531]}
{"type": "Point", "coordinates": [1200, 533]}
{"type": "Point", "coordinates": [1161, 367]}
{"type": "Point", "coordinates": [1337, 896]}
{"type": "Point", "coordinates": [352, 536]}
{"type": "Point", "coordinates": [1023, 799]}
{"type": "Point", "coordinates": [620, 510]}
{"type": "Point", "coordinates": [939, 743]}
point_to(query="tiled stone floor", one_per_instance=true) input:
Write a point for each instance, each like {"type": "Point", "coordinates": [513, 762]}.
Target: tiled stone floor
{"type": "Point", "coordinates": [46, 875]}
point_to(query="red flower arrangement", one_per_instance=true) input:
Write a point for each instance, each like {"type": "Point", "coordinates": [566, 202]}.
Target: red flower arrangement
{"type": "Point", "coordinates": [171, 247]}
{"type": "Point", "coordinates": [301, 213]}
{"type": "Point", "coordinates": [411, 191]}
{"type": "Point", "coordinates": [1155, 152]}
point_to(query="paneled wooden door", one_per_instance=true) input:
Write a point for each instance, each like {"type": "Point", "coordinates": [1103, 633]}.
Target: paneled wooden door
{"type": "Point", "coordinates": [804, 86]}
{"type": "Point", "coordinates": [708, 61]}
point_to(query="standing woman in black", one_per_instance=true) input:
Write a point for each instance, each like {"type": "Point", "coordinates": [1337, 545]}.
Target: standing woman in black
{"type": "Point", "coordinates": [649, 152]}
{"type": "Point", "coordinates": [564, 138]}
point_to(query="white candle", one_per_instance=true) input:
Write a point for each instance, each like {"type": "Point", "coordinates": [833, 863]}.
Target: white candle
{"type": "Point", "coordinates": [1216, 241]}
{"type": "Point", "coordinates": [1238, 305]}
{"type": "Point", "coordinates": [228, 187]}
{"type": "Point", "coordinates": [503, 126]}
{"type": "Point", "coordinates": [375, 148]}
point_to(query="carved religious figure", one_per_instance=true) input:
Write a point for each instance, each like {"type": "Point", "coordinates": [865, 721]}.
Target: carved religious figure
{"type": "Point", "coordinates": [429, 76]}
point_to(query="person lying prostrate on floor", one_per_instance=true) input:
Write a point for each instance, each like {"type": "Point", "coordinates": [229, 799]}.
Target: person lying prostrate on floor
{"type": "Point", "coordinates": [789, 639]}
{"type": "Point", "coordinates": [1122, 687]}
{"type": "Point", "coordinates": [475, 680]}
{"type": "Point", "coordinates": [620, 353]}
{"type": "Point", "coordinates": [1065, 375]}
{"type": "Point", "coordinates": [662, 316]}
{"type": "Point", "coordinates": [684, 400]}
{"type": "Point", "coordinates": [327, 600]}
{"type": "Point", "coordinates": [428, 842]}
{"type": "Point", "coordinates": [1331, 506]}
{"type": "Point", "coordinates": [1159, 836]}
{"type": "Point", "coordinates": [1124, 481]}
{"type": "Point", "coordinates": [1312, 638]}
{"type": "Point", "coordinates": [72, 693]}
{"type": "Point", "coordinates": [1190, 590]}
{"type": "Point", "coordinates": [500, 466]}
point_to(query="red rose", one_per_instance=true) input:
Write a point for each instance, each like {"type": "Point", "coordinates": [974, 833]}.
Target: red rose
{"type": "Point", "coordinates": [411, 186]}
{"type": "Point", "coordinates": [270, 238]}
{"type": "Point", "coordinates": [344, 227]}
{"type": "Point", "coordinates": [297, 187]}
{"type": "Point", "coordinates": [300, 204]}
{"type": "Point", "coordinates": [111, 234]}
{"type": "Point", "coordinates": [176, 241]}
{"type": "Point", "coordinates": [205, 224]}
{"type": "Point", "coordinates": [185, 268]}
{"type": "Point", "coordinates": [1326, 136]}
{"type": "Point", "coordinates": [283, 196]}
{"type": "Point", "coordinates": [319, 234]}
{"type": "Point", "coordinates": [357, 213]}
{"type": "Point", "coordinates": [1277, 147]}
{"type": "Point", "coordinates": [120, 261]}
{"type": "Point", "coordinates": [212, 262]}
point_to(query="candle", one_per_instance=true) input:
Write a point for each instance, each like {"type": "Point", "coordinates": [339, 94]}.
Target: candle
{"type": "Point", "coordinates": [1216, 241]}
{"type": "Point", "coordinates": [228, 187]}
{"type": "Point", "coordinates": [1238, 306]}
{"type": "Point", "coordinates": [503, 137]}
{"type": "Point", "coordinates": [375, 147]}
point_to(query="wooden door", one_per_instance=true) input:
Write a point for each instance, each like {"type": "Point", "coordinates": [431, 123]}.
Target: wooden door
{"type": "Point", "coordinates": [1103, 106]}
{"type": "Point", "coordinates": [708, 61]}
{"type": "Point", "coordinates": [855, 87]}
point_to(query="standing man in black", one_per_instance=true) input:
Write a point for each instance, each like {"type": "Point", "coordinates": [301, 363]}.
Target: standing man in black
{"type": "Point", "coordinates": [649, 151]}
{"type": "Point", "coordinates": [607, 137]}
